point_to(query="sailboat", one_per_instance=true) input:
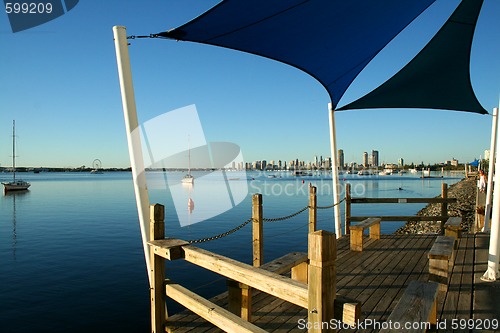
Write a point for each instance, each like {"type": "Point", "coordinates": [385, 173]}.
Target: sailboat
{"type": "Point", "coordinates": [15, 184]}
{"type": "Point", "coordinates": [188, 179]}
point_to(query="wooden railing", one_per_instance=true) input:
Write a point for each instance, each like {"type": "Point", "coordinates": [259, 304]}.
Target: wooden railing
{"type": "Point", "coordinates": [317, 294]}
{"type": "Point", "coordinates": [444, 201]}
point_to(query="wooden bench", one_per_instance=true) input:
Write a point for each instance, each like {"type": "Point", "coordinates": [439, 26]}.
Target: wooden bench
{"type": "Point", "coordinates": [416, 306]}
{"type": "Point", "coordinates": [357, 232]}
{"type": "Point", "coordinates": [452, 227]}
{"type": "Point", "coordinates": [441, 256]}
{"type": "Point", "coordinates": [346, 309]}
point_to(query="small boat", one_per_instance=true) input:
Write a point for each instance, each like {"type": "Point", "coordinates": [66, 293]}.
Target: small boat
{"type": "Point", "coordinates": [188, 179]}
{"type": "Point", "coordinates": [15, 184]}
{"type": "Point", "coordinates": [301, 173]}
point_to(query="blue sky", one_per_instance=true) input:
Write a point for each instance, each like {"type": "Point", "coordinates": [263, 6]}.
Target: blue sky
{"type": "Point", "coordinates": [59, 81]}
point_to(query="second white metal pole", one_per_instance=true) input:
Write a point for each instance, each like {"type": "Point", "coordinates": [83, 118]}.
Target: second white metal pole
{"type": "Point", "coordinates": [492, 273]}
{"type": "Point", "coordinates": [335, 172]}
{"type": "Point", "coordinates": [491, 170]}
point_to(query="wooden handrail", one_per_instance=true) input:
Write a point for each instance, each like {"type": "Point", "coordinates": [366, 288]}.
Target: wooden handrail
{"type": "Point", "coordinates": [274, 284]}
{"type": "Point", "coordinates": [210, 311]}
{"type": "Point", "coordinates": [443, 200]}
{"type": "Point", "coordinates": [359, 200]}
{"type": "Point", "coordinates": [397, 218]}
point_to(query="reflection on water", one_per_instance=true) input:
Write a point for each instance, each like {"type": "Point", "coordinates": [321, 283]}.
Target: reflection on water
{"type": "Point", "coordinates": [11, 196]}
{"type": "Point", "coordinates": [214, 193]}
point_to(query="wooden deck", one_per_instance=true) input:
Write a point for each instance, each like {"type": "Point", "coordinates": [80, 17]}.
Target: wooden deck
{"type": "Point", "coordinates": [377, 278]}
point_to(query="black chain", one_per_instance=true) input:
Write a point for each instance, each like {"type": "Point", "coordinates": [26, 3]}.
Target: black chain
{"type": "Point", "coordinates": [147, 36]}
{"type": "Point", "coordinates": [227, 233]}
{"type": "Point", "coordinates": [331, 206]}
{"type": "Point", "coordinates": [285, 217]}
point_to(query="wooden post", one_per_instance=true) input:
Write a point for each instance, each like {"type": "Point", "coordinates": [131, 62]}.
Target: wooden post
{"type": "Point", "coordinates": [444, 206]}
{"type": "Point", "coordinates": [258, 258]}
{"type": "Point", "coordinates": [321, 279]}
{"type": "Point", "coordinates": [312, 209]}
{"type": "Point", "coordinates": [347, 208]}
{"type": "Point", "coordinates": [240, 299]}
{"type": "Point", "coordinates": [240, 295]}
{"type": "Point", "coordinates": [157, 290]}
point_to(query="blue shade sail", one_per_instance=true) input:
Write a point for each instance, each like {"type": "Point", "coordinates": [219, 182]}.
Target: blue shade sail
{"type": "Point", "coordinates": [332, 40]}
{"type": "Point", "coordinates": [439, 76]}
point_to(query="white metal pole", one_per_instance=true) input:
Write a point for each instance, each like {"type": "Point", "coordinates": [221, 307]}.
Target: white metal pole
{"type": "Point", "coordinates": [133, 136]}
{"type": "Point", "coordinates": [335, 172]}
{"type": "Point", "coordinates": [491, 169]}
{"type": "Point", "coordinates": [492, 273]}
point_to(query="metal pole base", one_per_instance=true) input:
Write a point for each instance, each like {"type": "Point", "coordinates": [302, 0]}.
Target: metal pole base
{"type": "Point", "coordinates": [490, 275]}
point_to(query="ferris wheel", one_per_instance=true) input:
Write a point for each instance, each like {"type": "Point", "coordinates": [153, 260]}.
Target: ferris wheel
{"type": "Point", "coordinates": [97, 164]}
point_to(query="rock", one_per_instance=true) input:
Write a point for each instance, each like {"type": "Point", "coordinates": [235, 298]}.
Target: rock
{"type": "Point", "coordinates": [465, 193]}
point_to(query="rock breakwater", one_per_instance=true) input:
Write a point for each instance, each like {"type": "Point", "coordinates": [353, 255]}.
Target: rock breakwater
{"type": "Point", "coordinates": [465, 193]}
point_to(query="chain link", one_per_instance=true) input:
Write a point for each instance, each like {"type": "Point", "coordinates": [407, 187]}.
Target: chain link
{"type": "Point", "coordinates": [331, 206]}
{"type": "Point", "coordinates": [146, 36]}
{"type": "Point", "coordinates": [285, 217]}
{"type": "Point", "coordinates": [227, 233]}
{"type": "Point", "coordinates": [276, 219]}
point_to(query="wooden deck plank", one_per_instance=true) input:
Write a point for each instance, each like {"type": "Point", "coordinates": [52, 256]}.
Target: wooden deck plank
{"type": "Point", "coordinates": [368, 283]}
{"type": "Point", "coordinates": [450, 297]}
{"type": "Point", "coordinates": [372, 275]}
{"type": "Point", "coordinates": [352, 271]}
{"type": "Point", "coordinates": [457, 301]}
{"type": "Point", "coordinates": [486, 294]}
{"type": "Point", "coordinates": [414, 266]}
{"type": "Point", "coordinates": [411, 267]}
{"type": "Point", "coordinates": [464, 310]}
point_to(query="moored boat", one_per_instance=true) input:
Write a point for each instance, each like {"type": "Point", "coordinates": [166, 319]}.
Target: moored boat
{"type": "Point", "coordinates": [15, 184]}
{"type": "Point", "coordinates": [188, 179]}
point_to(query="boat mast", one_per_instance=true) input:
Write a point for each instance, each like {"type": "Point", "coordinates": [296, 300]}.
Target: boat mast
{"type": "Point", "coordinates": [189, 157]}
{"type": "Point", "coordinates": [14, 149]}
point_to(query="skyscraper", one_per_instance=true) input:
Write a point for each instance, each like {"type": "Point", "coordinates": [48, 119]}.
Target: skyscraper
{"type": "Point", "coordinates": [365, 159]}
{"type": "Point", "coordinates": [375, 158]}
{"type": "Point", "coordinates": [340, 157]}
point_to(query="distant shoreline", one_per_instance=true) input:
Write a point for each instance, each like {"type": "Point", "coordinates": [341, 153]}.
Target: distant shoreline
{"type": "Point", "coordinates": [38, 170]}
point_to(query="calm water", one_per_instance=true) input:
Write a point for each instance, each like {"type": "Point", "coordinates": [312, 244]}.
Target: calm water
{"type": "Point", "coordinates": [71, 256]}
